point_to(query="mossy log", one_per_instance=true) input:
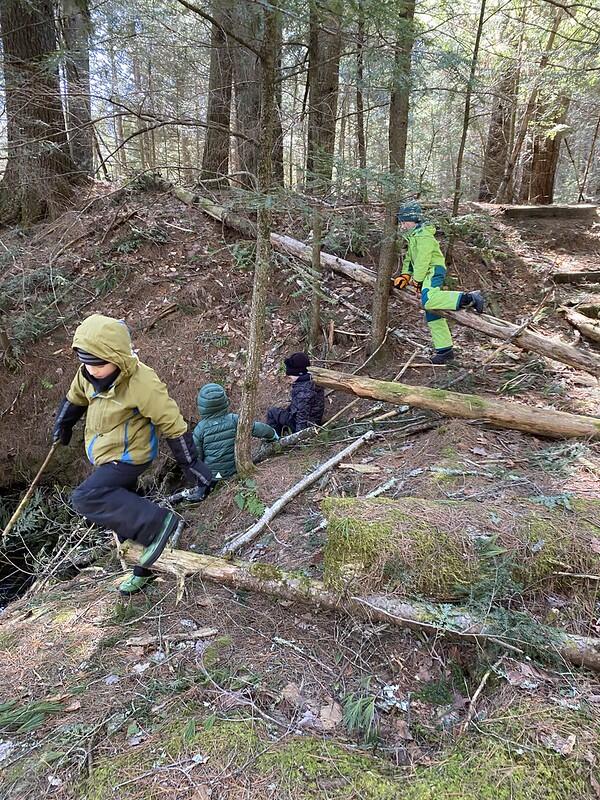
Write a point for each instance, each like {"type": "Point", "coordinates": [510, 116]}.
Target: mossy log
{"type": "Point", "coordinates": [391, 545]}
{"type": "Point", "coordinates": [539, 343]}
{"type": "Point", "coordinates": [502, 414]}
{"type": "Point", "coordinates": [588, 327]}
{"type": "Point", "coordinates": [415, 614]}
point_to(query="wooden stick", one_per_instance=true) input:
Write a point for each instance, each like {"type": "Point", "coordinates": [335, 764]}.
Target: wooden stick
{"type": "Point", "coordinates": [239, 540]}
{"type": "Point", "coordinates": [20, 508]}
{"type": "Point", "coordinates": [404, 613]}
{"type": "Point", "coordinates": [273, 448]}
{"type": "Point", "coordinates": [478, 691]}
{"type": "Point", "coordinates": [503, 414]}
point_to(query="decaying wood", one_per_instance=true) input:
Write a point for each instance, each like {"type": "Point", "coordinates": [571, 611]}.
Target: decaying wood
{"type": "Point", "coordinates": [415, 614]}
{"type": "Point", "coordinates": [252, 533]}
{"type": "Point", "coordinates": [580, 211]}
{"type": "Point", "coordinates": [589, 276]}
{"type": "Point", "coordinates": [503, 414]}
{"type": "Point", "coordinates": [272, 448]}
{"type": "Point", "coordinates": [590, 328]}
{"type": "Point", "coordinates": [542, 344]}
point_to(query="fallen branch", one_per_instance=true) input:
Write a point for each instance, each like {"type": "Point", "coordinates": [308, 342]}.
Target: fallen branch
{"type": "Point", "coordinates": [588, 327]}
{"type": "Point", "coordinates": [503, 414]}
{"type": "Point", "coordinates": [251, 534]}
{"type": "Point", "coordinates": [274, 448]}
{"type": "Point", "coordinates": [415, 614]}
{"type": "Point", "coordinates": [484, 323]}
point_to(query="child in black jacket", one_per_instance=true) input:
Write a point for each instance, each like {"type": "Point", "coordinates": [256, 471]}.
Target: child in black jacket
{"type": "Point", "coordinates": [307, 399]}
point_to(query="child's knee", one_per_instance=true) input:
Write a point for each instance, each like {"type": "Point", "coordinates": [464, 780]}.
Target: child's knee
{"type": "Point", "coordinates": [81, 499]}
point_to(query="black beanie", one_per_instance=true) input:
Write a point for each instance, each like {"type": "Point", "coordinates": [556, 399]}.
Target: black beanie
{"type": "Point", "coordinates": [297, 364]}
{"type": "Point", "coordinates": [89, 358]}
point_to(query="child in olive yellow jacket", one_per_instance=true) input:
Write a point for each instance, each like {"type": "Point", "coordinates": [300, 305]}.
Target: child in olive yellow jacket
{"type": "Point", "coordinates": [127, 407]}
{"type": "Point", "coordinates": [425, 268]}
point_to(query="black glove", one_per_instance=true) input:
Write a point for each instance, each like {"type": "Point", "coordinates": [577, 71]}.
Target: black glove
{"type": "Point", "coordinates": [184, 450]}
{"type": "Point", "coordinates": [67, 415]}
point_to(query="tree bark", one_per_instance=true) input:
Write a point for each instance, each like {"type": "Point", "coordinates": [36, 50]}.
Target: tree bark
{"type": "Point", "coordinates": [397, 141]}
{"type": "Point", "coordinates": [590, 328]}
{"type": "Point", "coordinates": [247, 19]}
{"type": "Point", "coordinates": [412, 614]}
{"type": "Point", "coordinates": [360, 113]}
{"type": "Point", "coordinates": [76, 26]}
{"type": "Point", "coordinates": [325, 47]}
{"type": "Point", "coordinates": [262, 270]}
{"type": "Point", "coordinates": [499, 134]}
{"type": "Point", "coordinates": [467, 111]}
{"type": "Point", "coordinates": [546, 150]}
{"type": "Point", "coordinates": [39, 176]}
{"type": "Point", "coordinates": [513, 416]}
{"type": "Point", "coordinates": [503, 196]}
{"type": "Point", "coordinates": [490, 326]}
{"type": "Point", "coordinates": [215, 158]}
{"type": "Point", "coordinates": [315, 298]}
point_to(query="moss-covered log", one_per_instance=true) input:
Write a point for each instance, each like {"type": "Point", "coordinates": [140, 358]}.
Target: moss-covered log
{"type": "Point", "coordinates": [525, 338]}
{"type": "Point", "coordinates": [442, 548]}
{"type": "Point", "coordinates": [502, 414]}
{"type": "Point", "coordinates": [419, 615]}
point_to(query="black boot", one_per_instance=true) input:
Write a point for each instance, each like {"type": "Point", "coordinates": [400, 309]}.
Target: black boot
{"type": "Point", "coordinates": [474, 300]}
{"type": "Point", "coordinates": [443, 356]}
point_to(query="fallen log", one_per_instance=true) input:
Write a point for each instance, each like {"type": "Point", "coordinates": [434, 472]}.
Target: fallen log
{"type": "Point", "coordinates": [501, 413]}
{"type": "Point", "coordinates": [591, 276]}
{"type": "Point", "coordinates": [418, 615]}
{"type": "Point", "coordinates": [484, 323]}
{"type": "Point", "coordinates": [580, 211]}
{"type": "Point", "coordinates": [241, 539]}
{"type": "Point", "coordinates": [588, 327]}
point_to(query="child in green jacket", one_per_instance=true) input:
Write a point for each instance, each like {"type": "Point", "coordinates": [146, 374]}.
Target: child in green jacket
{"type": "Point", "coordinates": [425, 268]}
{"type": "Point", "coordinates": [214, 435]}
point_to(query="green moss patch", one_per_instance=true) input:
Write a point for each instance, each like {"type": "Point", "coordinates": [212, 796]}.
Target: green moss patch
{"type": "Point", "coordinates": [509, 756]}
{"type": "Point", "coordinates": [440, 549]}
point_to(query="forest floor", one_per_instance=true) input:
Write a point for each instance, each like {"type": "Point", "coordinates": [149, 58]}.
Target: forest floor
{"type": "Point", "coordinates": [258, 698]}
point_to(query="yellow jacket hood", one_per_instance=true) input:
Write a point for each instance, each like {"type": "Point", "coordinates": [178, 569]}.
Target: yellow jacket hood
{"type": "Point", "coordinates": [107, 338]}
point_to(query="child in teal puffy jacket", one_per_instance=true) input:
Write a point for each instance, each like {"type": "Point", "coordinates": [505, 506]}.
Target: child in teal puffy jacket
{"type": "Point", "coordinates": [214, 435]}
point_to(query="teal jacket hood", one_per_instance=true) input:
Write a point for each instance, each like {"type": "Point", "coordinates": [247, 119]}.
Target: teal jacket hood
{"type": "Point", "coordinates": [212, 401]}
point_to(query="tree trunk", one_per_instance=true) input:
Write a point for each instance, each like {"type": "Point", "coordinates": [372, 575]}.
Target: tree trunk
{"type": "Point", "coordinates": [121, 151]}
{"type": "Point", "coordinates": [413, 614]}
{"type": "Point", "coordinates": [215, 158]}
{"type": "Point", "coordinates": [39, 175]}
{"type": "Point", "coordinates": [247, 19]}
{"type": "Point", "coordinates": [467, 111]}
{"type": "Point", "coordinates": [324, 52]}
{"type": "Point", "coordinates": [546, 150]}
{"type": "Point", "coordinates": [256, 334]}
{"type": "Point", "coordinates": [360, 114]}
{"type": "Point", "coordinates": [589, 162]}
{"type": "Point", "coordinates": [76, 25]}
{"type": "Point", "coordinates": [507, 179]}
{"type": "Point", "coordinates": [518, 335]}
{"type": "Point", "coordinates": [499, 134]}
{"type": "Point", "coordinates": [514, 416]}
{"type": "Point", "coordinates": [315, 298]}
{"type": "Point", "coordinates": [397, 140]}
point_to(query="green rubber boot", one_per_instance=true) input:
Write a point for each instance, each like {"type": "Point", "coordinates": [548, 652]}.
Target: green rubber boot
{"type": "Point", "coordinates": [173, 524]}
{"type": "Point", "coordinates": [135, 583]}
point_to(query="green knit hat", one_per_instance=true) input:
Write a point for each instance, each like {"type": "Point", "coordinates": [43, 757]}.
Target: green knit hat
{"type": "Point", "coordinates": [212, 400]}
